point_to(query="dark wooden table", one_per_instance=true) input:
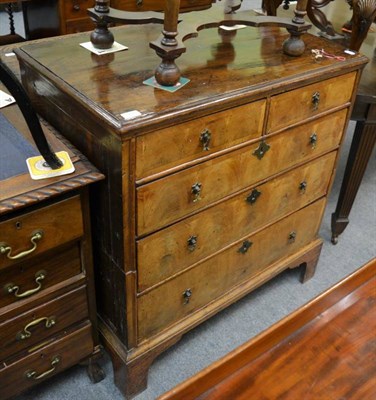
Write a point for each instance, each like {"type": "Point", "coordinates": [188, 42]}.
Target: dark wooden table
{"type": "Point", "coordinates": [326, 349]}
{"type": "Point", "coordinates": [364, 113]}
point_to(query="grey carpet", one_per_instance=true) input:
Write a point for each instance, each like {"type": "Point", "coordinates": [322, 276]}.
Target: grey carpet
{"type": "Point", "coordinates": [249, 316]}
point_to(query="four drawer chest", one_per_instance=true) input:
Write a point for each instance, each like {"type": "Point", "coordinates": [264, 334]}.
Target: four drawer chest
{"type": "Point", "coordinates": [47, 301]}
{"type": "Point", "coordinates": [211, 190]}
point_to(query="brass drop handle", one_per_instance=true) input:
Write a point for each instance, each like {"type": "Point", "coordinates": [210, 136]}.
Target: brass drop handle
{"type": "Point", "coordinates": [196, 191]}
{"type": "Point", "coordinates": [139, 3]}
{"type": "Point", "coordinates": [205, 138]}
{"type": "Point", "coordinates": [261, 150]}
{"type": "Point", "coordinates": [32, 374]}
{"type": "Point", "coordinates": [303, 187]}
{"type": "Point", "coordinates": [253, 196]}
{"type": "Point", "coordinates": [187, 294]}
{"type": "Point", "coordinates": [292, 237]}
{"type": "Point", "coordinates": [245, 247]}
{"type": "Point", "coordinates": [76, 7]}
{"type": "Point", "coordinates": [313, 140]}
{"type": "Point", "coordinates": [5, 249]}
{"type": "Point", "coordinates": [192, 243]}
{"type": "Point", "coordinates": [316, 100]}
{"type": "Point", "coordinates": [25, 333]}
{"type": "Point", "coordinates": [12, 288]}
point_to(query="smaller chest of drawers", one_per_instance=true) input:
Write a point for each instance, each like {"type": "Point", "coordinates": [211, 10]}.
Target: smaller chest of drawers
{"type": "Point", "coordinates": [47, 299]}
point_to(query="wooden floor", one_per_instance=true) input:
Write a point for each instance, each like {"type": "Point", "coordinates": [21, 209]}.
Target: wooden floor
{"type": "Point", "coordinates": [326, 350]}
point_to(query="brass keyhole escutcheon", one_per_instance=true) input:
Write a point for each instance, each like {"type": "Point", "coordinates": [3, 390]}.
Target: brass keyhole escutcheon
{"type": "Point", "coordinates": [261, 150]}
{"type": "Point", "coordinates": [245, 247]}
{"type": "Point", "coordinates": [205, 139]}
{"type": "Point", "coordinates": [196, 191]}
{"type": "Point", "coordinates": [253, 196]}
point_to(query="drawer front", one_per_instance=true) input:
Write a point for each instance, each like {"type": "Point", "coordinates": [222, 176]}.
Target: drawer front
{"type": "Point", "coordinates": [172, 249]}
{"type": "Point", "coordinates": [75, 9]}
{"type": "Point", "coordinates": [176, 145]}
{"type": "Point", "coordinates": [297, 105]}
{"type": "Point", "coordinates": [46, 362]}
{"type": "Point", "coordinates": [192, 290]}
{"type": "Point", "coordinates": [166, 200]}
{"type": "Point", "coordinates": [39, 323]}
{"type": "Point", "coordinates": [158, 5]}
{"type": "Point", "coordinates": [27, 280]}
{"type": "Point", "coordinates": [36, 232]}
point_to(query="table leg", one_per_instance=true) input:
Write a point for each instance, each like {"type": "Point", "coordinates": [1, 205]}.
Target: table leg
{"type": "Point", "coordinates": [360, 152]}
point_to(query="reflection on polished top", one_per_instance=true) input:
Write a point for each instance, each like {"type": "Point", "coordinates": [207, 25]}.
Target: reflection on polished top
{"type": "Point", "coordinates": [221, 65]}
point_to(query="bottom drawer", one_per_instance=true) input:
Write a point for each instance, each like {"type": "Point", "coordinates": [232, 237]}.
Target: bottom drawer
{"type": "Point", "coordinates": [46, 362]}
{"type": "Point", "coordinates": [193, 289]}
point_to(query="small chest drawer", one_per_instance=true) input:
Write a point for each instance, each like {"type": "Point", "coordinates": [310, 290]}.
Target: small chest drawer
{"type": "Point", "coordinates": [41, 230]}
{"type": "Point", "coordinates": [29, 279]}
{"type": "Point", "coordinates": [75, 9]}
{"type": "Point", "coordinates": [182, 143]}
{"type": "Point", "coordinates": [37, 324]}
{"type": "Point", "coordinates": [46, 362]}
{"type": "Point", "coordinates": [193, 289]}
{"type": "Point", "coordinates": [193, 239]}
{"type": "Point", "coordinates": [168, 199]}
{"type": "Point", "coordinates": [295, 106]}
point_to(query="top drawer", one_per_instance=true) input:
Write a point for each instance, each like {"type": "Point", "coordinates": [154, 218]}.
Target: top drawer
{"type": "Point", "coordinates": [41, 230]}
{"type": "Point", "coordinates": [297, 105]}
{"type": "Point", "coordinates": [175, 145]}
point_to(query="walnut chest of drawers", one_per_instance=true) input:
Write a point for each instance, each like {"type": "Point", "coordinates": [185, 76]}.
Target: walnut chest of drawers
{"type": "Point", "coordinates": [47, 302]}
{"type": "Point", "coordinates": [211, 190]}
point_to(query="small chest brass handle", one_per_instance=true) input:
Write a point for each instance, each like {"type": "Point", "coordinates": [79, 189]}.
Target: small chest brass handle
{"type": "Point", "coordinates": [25, 333]}
{"type": "Point", "coordinates": [5, 249]}
{"type": "Point", "coordinates": [32, 374]}
{"type": "Point", "coordinates": [245, 247]}
{"type": "Point", "coordinates": [253, 196]}
{"type": "Point", "coordinates": [313, 140]}
{"type": "Point", "coordinates": [12, 288]}
{"type": "Point", "coordinates": [261, 150]}
{"type": "Point", "coordinates": [205, 138]}
{"type": "Point", "coordinates": [192, 243]}
{"type": "Point", "coordinates": [316, 100]}
{"type": "Point", "coordinates": [187, 294]}
{"type": "Point", "coordinates": [196, 191]}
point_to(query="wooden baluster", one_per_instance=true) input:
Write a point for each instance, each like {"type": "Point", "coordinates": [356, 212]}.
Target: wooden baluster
{"type": "Point", "coordinates": [294, 45]}
{"type": "Point", "coordinates": [300, 11]}
{"type": "Point", "coordinates": [168, 73]}
{"type": "Point", "coordinates": [101, 37]}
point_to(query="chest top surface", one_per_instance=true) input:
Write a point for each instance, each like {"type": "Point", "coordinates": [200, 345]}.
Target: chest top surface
{"type": "Point", "coordinates": [224, 68]}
